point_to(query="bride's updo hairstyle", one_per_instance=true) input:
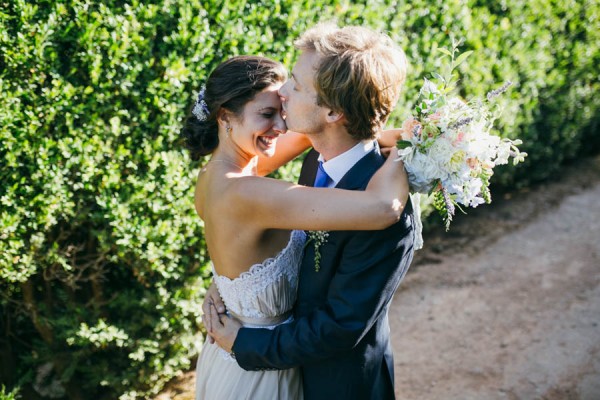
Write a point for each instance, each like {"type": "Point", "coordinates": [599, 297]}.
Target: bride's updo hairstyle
{"type": "Point", "coordinates": [231, 85]}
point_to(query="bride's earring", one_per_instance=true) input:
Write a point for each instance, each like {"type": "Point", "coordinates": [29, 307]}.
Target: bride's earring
{"type": "Point", "coordinates": [228, 131]}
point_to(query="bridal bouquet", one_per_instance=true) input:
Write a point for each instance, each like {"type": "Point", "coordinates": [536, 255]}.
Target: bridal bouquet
{"type": "Point", "coordinates": [447, 146]}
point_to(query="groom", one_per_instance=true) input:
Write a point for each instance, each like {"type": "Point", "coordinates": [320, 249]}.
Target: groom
{"type": "Point", "coordinates": [342, 89]}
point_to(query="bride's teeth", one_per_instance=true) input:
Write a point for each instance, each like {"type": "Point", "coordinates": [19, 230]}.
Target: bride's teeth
{"type": "Point", "coordinates": [267, 140]}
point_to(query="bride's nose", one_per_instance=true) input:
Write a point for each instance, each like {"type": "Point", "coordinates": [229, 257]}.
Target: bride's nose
{"type": "Point", "coordinates": [280, 127]}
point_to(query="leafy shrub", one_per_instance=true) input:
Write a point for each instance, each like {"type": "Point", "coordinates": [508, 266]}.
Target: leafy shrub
{"type": "Point", "coordinates": [12, 395]}
{"type": "Point", "coordinates": [102, 259]}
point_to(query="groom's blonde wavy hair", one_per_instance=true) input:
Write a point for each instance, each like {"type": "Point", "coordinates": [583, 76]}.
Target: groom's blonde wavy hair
{"type": "Point", "coordinates": [360, 74]}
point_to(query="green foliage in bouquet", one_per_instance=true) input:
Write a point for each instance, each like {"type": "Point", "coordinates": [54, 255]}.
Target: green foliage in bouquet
{"type": "Point", "coordinates": [102, 259]}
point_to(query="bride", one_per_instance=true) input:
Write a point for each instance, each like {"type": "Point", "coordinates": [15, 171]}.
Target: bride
{"type": "Point", "coordinates": [254, 226]}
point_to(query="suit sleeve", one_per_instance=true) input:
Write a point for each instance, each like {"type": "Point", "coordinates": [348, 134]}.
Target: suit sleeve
{"type": "Point", "coordinates": [372, 266]}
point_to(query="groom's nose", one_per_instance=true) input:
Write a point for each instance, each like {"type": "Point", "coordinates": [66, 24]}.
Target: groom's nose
{"type": "Point", "coordinates": [282, 92]}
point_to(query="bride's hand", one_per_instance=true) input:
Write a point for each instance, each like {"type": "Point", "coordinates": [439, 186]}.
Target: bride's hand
{"type": "Point", "coordinates": [387, 140]}
{"type": "Point", "coordinates": [386, 151]}
{"type": "Point", "coordinates": [223, 328]}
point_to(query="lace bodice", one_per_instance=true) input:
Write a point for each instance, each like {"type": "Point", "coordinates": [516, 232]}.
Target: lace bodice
{"type": "Point", "coordinates": [265, 294]}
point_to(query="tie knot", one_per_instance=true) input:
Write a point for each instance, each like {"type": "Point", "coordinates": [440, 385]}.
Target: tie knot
{"type": "Point", "coordinates": [322, 179]}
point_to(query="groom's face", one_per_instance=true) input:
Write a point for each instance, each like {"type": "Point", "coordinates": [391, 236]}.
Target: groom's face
{"type": "Point", "coordinates": [299, 97]}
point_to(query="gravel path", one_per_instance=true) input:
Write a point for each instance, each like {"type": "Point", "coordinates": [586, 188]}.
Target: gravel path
{"type": "Point", "coordinates": [507, 304]}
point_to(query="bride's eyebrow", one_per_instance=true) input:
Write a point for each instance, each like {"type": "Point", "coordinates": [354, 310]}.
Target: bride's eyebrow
{"type": "Point", "coordinates": [273, 109]}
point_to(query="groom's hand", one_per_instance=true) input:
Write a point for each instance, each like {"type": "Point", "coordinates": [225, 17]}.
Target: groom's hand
{"type": "Point", "coordinates": [224, 329]}
{"type": "Point", "coordinates": [212, 297]}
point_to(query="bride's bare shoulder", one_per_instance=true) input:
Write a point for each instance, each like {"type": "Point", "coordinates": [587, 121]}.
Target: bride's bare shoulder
{"type": "Point", "coordinates": [230, 192]}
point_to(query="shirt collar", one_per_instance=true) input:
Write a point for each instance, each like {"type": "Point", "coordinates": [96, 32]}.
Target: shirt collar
{"type": "Point", "coordinates": [338, 166]}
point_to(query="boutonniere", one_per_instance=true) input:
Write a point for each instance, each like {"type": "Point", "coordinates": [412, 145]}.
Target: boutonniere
{"type": "Point", "coordinates": [318, 238]}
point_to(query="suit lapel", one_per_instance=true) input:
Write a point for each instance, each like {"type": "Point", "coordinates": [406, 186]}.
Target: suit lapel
{"type": "Point", "coordinates": [309, 168]}
{"type": "Point", "coordinates": [359, 175]}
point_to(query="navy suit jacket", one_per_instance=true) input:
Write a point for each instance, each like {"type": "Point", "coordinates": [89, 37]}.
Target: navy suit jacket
{"type": "Point", "coordinates": [340, 336]}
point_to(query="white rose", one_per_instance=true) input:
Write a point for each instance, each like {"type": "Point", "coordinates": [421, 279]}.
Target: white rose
{"type": "Point", "coordinates": [422, 172]}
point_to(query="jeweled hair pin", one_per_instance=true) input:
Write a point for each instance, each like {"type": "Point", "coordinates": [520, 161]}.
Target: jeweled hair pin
{"type": "Point", "coordinates": [200, 109]}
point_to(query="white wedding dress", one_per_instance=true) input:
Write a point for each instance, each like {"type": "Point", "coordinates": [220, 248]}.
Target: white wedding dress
{"type": "Point", "coordinates": [263, 297]}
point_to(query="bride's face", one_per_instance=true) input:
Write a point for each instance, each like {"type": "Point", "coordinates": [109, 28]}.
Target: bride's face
{"type": "Point", "coordinates": [256, 131]}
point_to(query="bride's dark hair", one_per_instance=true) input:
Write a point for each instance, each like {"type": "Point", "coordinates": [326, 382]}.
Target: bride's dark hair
{"type": "Point", "coordinates": [231, 85]}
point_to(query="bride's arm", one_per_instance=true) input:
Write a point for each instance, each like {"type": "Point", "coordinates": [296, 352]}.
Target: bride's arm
{"type": "Point", "coordinates": [292, 144]}
{"type": "Point", "coordinates": [271, 203]}
{"type": "Point", "coordinates": [289, 146]}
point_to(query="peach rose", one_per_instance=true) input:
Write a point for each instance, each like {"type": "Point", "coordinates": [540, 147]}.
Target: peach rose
{"type": "Point", "coordinates": [435, 117]}
{"type": "Point", "coordinates": [408, 128]}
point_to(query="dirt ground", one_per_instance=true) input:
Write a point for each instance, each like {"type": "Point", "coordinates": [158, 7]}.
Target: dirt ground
{"type": "Point", "coordinates": [504, 306]}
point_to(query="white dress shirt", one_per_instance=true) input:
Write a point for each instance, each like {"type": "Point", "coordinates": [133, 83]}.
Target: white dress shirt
{"type": "Point", "coordinates": [338, 166]}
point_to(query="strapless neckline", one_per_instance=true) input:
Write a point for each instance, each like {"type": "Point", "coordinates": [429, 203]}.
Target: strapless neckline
{"type": "Point", "coordinates": [267, 289]}
{"type": "Point", "coordinates": [255, 268]}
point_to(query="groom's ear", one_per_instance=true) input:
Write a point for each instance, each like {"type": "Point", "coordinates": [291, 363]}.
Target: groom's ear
{"type": "Point", "coordinates": [334, 116]}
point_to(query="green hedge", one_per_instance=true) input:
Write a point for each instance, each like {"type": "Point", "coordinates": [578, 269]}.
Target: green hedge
{"type": "Point", "coordinates": [102, 259]}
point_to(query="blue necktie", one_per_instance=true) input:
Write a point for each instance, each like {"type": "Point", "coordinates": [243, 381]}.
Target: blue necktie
{"type": "Point", "coordinates": [322, 179]}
